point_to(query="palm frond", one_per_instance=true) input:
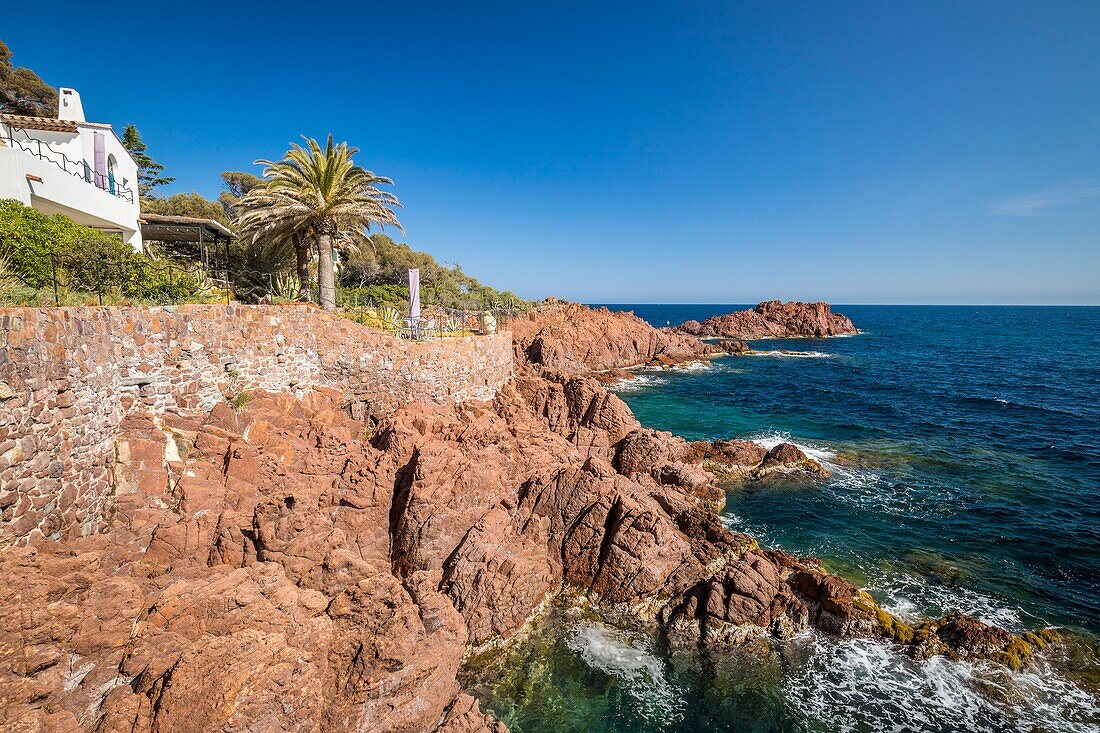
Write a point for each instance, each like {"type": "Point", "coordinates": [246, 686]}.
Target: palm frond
{"type": "Point", "coordinates": [319, 190]}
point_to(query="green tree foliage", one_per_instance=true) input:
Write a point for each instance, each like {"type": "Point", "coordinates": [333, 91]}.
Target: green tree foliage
{"type": "Point", "coordinates": [373, 268]}
{"type": "Point", "coordinates": [224, 210]}
{"type": "Point", "coordinates": [150, 172]}
{"type": "Point", "coordinates": [237, 184]}
{"type": "Point", "coordinates": [28, 237]}
{"type": "Point", "coordinates": [322, 191]}
{"type": "Point", "coordinates": [186, 204]}
{"type": "Point", "coordinates": [267, 249]}
{"type": "Point", "coordinates": [22, 92]}
{"type": "Point", "coordinates": [37, 248]}
{"type": "Point", "coordinates": [384, 263]}
{"type": "Point", "coordinates": [255, 265]}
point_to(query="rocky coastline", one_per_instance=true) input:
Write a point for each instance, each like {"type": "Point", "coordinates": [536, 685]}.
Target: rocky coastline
{"type": "Point", "coordinates": [280, 565]}
{"type": "Point", "coordinates": [576, 339]}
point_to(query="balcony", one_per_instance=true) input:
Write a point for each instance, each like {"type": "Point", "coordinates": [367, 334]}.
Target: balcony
{"type": "Point", "coordinates": [15, 133]}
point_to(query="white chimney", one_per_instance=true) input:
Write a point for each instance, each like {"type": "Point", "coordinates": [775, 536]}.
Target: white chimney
{"type": "Point", "coordinates": [69, 106]}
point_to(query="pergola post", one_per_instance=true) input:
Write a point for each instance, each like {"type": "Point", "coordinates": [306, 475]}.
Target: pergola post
{"type": "Point", "coordinates": [207, 234]}
{"type": "Point", "coordinates": [228, 282]}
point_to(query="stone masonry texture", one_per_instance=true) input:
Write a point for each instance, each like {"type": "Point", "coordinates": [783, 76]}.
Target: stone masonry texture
{"type": "Point", "coordinates": [68, 377]}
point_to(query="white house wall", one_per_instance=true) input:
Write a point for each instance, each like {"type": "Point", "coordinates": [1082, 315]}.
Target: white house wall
{"type": "Point", "coordinates": [126, 170]}
{"type": "Point", "coordinates": [61, 191]}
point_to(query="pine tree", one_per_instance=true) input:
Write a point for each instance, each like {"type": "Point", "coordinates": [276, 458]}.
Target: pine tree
{"type": "Point", "coordinates": [22, 92]}
{"type": "Point", "coordinates": [149, 170]}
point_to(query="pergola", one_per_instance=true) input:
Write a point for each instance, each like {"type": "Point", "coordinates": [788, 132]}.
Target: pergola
{"type": "Point", "coordinates": [208, 234]}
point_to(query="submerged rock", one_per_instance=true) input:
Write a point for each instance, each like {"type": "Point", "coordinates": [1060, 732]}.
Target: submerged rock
{"type": "Point", "coordinates": [964, 638]}
{"type": "Point", "coordinates": [785, 458]}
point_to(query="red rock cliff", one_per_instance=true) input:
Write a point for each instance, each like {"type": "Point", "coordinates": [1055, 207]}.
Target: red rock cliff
{"type": "Point", "coordinates": [577, 339]}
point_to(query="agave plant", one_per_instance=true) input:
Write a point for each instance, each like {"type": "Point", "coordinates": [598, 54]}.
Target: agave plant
{"type": "Point", "coordinates": [391, 318]}
{"type": "Point", "coordinates": [451, 325]}
{"type": "Point", "coordinates": [287, 286]}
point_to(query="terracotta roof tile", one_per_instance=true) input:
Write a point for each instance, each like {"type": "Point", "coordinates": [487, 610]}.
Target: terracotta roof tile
{"type": "Point", "coordinates": [50, 124]}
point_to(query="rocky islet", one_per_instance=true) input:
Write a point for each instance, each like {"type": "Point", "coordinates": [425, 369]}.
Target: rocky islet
{"type": "Point", "coordinates": [774, 319]}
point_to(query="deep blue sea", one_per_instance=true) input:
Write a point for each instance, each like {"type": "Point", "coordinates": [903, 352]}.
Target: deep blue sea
{"type": "Point", "coordinates": [963, 445]}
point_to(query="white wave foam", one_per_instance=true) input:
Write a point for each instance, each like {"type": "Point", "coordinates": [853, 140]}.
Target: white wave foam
{"type": "Point", "coordinates": [757, 530]}
{"type": "Point", "coordinates": [774, 438]}
{"type": "Point", "coordinates": [626, 657]}
{"type": "Point", "coordinates": [866, 685]}
{"type": "Point", "coordinates": [911, 597]}
{"type": "Point", "coordinates": [636, 382]}
{"type": "Point", "coordinates": [695, 366]}
{"type": "Point", "coordinates": [785, 353]}
{"type": "Point", "coordinates": [731, 520]}
{"type": "Point", "coordinates": [906, 595]}
{"type": "Point", "coordinates": [862, 486]}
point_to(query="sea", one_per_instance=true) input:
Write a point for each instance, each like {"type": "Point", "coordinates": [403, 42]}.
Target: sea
{"type": "Point", "coordinates": [963, 450]}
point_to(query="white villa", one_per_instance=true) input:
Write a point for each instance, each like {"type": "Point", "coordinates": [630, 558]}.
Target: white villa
{"type": "Point", "coordinates": [71, 166]}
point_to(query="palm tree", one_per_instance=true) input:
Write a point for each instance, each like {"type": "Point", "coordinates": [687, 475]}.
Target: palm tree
{"type": "Point", "coordinates": [320, 191]}
{"type": "Point", "coordinates": [271, 229]}
{"type": "Point", "coordinates": [273, 244]}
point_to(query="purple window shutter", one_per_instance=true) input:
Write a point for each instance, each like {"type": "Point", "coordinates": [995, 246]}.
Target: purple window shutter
{"type": "Point", "coordinates": [99, 144]}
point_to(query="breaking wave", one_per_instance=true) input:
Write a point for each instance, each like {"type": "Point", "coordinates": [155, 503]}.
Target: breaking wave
{"type": "Point", "coordinates": [786, 353]}
{"type": "Point", "coordinates": [866, 685]}
{"type": "Point", "coordinates": [694, 366]}
{"type": "Point", "coordinates": [626, 657]}
{"type": "Point", "coordinates": [911, 596]}
{"type": "Point", "coordinates": [637, 382]}
{"type": "Point", "coordinates": [863, 486]}
{"type": "Point", "coordinates": [735, 523]}
{"type": "Point", "coordinates": [818, 453]}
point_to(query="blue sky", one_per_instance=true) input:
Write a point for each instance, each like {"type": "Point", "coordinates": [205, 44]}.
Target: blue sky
{"type": "Point", "coordinates": [648, 152]}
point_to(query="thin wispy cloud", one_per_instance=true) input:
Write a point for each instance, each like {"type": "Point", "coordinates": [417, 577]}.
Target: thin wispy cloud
{"type": "Point", "coordinates": [1043, 201]}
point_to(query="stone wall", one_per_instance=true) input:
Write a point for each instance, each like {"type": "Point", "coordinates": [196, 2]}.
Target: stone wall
{"type": "Point", "coordinates": [68, 376]}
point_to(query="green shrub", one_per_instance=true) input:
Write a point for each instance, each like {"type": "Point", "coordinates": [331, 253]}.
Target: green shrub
{"type": "Point", "coordinates": [33, 244]}
{"type": "Point", "coordinates": [28, 238]}
{"type": "Point", "coordinates": [385, 262]}
{"type": "Point", "coordinates": [396, 296]}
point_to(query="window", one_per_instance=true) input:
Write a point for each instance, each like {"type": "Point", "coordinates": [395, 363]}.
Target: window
{"type": "Point", "coordinates": [111, 163]}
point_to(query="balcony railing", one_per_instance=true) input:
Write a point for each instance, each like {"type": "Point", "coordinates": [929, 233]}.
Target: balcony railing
{"type": "Point", "coordinates": [77, 168]}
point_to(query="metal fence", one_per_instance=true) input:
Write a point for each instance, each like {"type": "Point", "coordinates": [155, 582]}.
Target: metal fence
{"type": "Point", "coordinates": [17, 137]}
{"type": "Point", "coordinates": [77, 277]}
{"type": "Point", "coordinates": [434, 322]}
{"type": "Point", "coordinates": [86, 277]}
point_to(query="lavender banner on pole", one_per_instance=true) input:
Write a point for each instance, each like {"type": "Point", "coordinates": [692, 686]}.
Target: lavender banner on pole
{"type": "Point", "coordinates": [414, 294]}
{"type": "Point", "coordinates": [99, 145]}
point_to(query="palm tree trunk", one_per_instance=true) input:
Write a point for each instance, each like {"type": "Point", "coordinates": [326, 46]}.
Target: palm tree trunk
{"type": "Point", "coordinates": [301, 254]}
{"type": "Point", "coordinates": [326, 272]}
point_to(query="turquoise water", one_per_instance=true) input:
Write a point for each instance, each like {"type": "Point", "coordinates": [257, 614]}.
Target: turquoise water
{"type": "Point", "coordinates": [963, 445]}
